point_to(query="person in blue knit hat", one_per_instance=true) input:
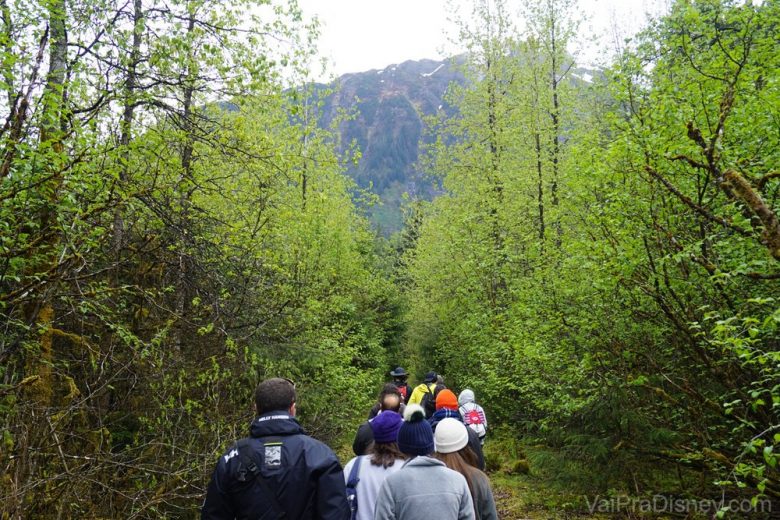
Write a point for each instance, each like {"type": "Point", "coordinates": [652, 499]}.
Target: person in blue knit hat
{"type": "Point", "coordinates": [383, 459]}
{"type": "Point", "coordinates": [424, 488]}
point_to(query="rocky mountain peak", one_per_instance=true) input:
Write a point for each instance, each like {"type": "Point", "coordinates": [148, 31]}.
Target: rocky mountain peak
{"type": "Point", "coordinates": [388, 106]}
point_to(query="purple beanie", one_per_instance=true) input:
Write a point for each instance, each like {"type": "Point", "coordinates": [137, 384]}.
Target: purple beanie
{"type": "Point", "coordinates": [385, 426]}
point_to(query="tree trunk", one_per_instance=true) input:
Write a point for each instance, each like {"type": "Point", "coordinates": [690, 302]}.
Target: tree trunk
{"type": "Point", "coordinates": [555, 115]}
{"type": "Point", "coordinates": [39, 312]}
{"type": "Point", "coordinates": [131, 83]}
{"type": "Point", "coordinates": [6, 44]}
{"type": "Point", "coordinates": [185, 196]}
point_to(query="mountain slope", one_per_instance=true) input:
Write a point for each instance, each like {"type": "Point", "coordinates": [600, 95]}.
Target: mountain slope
{"type": "Point", "coordinates": [388, 107]}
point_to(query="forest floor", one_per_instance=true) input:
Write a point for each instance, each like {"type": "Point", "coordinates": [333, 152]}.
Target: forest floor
{"type": "Point", "coordinates": [531, 491]}
{"type": "Point", "coordinates": [525, 497]}
{"type": "Point", "coordinates": [526, 488]}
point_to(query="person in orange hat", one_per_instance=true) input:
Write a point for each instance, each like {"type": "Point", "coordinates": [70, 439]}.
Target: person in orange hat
{"type": "Point", "coordinates": [447, 407]}
{"type": "Point", "coordinates": [446, 399]}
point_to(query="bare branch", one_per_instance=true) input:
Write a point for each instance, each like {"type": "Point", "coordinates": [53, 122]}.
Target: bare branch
{"type": "Point", "coordinates": [691, 204]}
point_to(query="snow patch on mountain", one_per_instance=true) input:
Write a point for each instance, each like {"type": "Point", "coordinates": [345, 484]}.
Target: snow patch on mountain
{"type": "Point", "coordinates": [429, 74]}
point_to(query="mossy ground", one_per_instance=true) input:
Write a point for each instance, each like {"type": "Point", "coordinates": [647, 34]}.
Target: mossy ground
{"type": "Point", "coordinates": [521, 497]}
{"type": "Point", "coordinates": [536, 483]}
{"type": "Point", "coordinates": [522, 491]}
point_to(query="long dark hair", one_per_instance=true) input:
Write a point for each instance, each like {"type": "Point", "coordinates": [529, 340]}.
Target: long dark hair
{"type": "Point", "coordinates": [384, 453]}
{"type": "Point", "coordinates": [458, 461]}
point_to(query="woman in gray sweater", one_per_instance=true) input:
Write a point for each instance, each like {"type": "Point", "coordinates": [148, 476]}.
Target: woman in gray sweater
{"type": "Point", "coordinates": [451, 441]}
{"type": "Point", "coordinates": [383, 460]}
{"type": "Point", "coordinates": [424, 488]}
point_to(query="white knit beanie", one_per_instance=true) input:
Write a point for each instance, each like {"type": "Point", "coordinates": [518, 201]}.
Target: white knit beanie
{"type": "Point", "coordinates": [450, 436]}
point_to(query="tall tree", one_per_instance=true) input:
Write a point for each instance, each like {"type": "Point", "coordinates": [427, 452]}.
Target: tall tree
{"type": "Point", "coordinates": [140, 137]}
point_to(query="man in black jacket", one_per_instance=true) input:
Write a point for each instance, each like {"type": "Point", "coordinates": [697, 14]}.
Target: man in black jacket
{"type": "Point", "coordinates": [279, 471]}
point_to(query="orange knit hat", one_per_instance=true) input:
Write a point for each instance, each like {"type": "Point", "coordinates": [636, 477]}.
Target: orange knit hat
{"type": "Point", "coordinates": [446, 399]}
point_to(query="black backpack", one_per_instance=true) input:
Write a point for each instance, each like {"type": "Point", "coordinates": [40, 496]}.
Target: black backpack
{"type": "Point", "coordinates": [248, 471]}
{"type": "Point", "coordinates": [352, 483]}
{"type": "Point", "coordinates": [428, 401]}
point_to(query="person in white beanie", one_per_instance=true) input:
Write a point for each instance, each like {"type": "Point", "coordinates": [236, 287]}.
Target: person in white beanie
{"type": "Point", "coordinates": [451, 439]}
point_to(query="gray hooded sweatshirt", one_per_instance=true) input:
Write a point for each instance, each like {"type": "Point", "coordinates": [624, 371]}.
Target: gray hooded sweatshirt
{"type": "Point", "coordinates": [473, 415]}
{"type": "Point", "coordinates": [424, 489]}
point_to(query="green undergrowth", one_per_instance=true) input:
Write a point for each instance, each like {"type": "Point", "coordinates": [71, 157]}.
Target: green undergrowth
{"type": "Point", "coordinates": [527, 497]}
{"type": "Point", "coordinates": [524, 486]}
{"type": "Point", "coordinates": [538, 482]}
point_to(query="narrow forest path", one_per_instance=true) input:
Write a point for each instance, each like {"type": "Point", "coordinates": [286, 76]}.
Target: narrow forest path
{"type": "Point", "coordinates": [526, 488]}
{"type": "Point", "coordinates": [525, 497]}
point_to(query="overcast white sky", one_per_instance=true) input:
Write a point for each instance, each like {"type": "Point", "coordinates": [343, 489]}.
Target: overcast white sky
{"type": "Point", "coordinates": [359, 35]}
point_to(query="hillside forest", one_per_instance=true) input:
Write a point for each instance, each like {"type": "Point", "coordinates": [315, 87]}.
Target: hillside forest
{"type": "Point", "coordinates": [600, 264]}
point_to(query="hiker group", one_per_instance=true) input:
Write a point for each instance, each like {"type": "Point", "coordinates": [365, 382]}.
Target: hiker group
{"type": "Point", "coordinates": [418, 456]}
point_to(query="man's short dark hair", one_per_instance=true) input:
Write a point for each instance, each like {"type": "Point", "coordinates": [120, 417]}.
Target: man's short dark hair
{"type": "Point", "coordinates": [390, 397]}
{"type": "Point", "coordinates": [274, 394]}
{"type": "Point", "coordinates": [389, 388]}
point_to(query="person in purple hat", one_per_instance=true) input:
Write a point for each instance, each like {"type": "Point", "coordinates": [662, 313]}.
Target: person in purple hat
{"type": "Point", "coordinates": [383, 459]}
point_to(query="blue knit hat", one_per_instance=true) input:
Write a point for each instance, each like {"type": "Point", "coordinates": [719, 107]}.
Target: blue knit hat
{"type": "Point", "coordinates": [415, 436]}
{"type": "Point", "coordinates": [385, 426]}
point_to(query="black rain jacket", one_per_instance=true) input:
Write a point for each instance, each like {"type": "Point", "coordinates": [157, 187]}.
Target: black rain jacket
{"type": "Point", "coordinates": [302, 472]}
{"type": "Point", "coordinates": [363, 439]}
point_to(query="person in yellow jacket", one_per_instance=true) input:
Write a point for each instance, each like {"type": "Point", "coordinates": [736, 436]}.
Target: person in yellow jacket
{"type": "Point", "coordinates": [428, 385]}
